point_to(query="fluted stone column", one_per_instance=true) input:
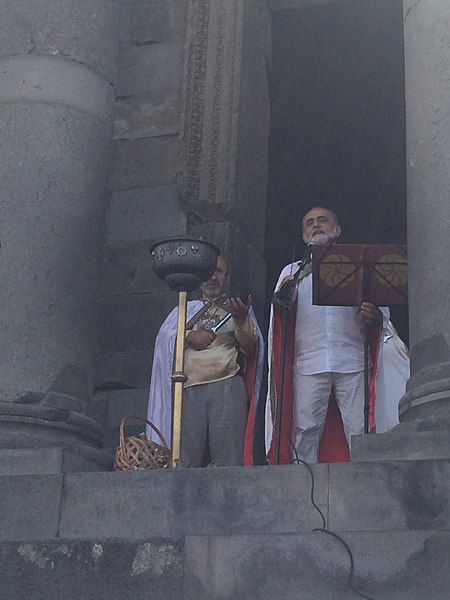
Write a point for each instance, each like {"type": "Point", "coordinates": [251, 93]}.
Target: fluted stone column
{"type": "Point", "coordinates": [56, 107]}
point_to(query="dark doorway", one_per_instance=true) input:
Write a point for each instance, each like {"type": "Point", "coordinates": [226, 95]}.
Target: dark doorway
{"type": "Point", "coordinates": [337, 124]}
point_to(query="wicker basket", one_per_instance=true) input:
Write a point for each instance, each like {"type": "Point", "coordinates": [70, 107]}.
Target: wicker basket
{"type": "Point", "coordinates": [137, 453]}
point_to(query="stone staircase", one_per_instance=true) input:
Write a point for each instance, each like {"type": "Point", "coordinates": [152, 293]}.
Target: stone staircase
{"type": "Point", "coordinates": [229, 533]}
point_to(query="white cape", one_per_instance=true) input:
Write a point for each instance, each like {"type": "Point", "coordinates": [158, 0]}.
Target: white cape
{"type": "Point", "coordinates": [160, 396]}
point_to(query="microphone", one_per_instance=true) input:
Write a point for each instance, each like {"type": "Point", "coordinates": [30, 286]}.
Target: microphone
{"type": "Point", "coordinates": [307, 253]}
{"type": "Point", "coordinates": [320, 239]}
{"type": "Point", "coordinates": [283, 293]}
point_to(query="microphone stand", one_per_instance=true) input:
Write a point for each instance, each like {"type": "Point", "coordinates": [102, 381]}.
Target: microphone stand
{"type": "Point", "coordinates": [282, 296]}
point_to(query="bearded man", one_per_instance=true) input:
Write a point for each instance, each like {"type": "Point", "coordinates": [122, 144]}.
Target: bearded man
{"type": "Point", "coordinates": [223, 368]}
{"type": "Point", "coordinates": [325, 358]}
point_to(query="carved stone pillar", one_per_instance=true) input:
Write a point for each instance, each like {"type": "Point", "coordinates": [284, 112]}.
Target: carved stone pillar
{"type": "Point", "coordinates": [225, 129]}
{"type": "Point", "coordinates": [56, 106]}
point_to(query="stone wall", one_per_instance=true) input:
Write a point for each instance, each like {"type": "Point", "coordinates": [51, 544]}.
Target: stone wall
{"type": "Point", "coordinates": [145, 201]}
{"type": "Point", "coordinates": [190, 137]}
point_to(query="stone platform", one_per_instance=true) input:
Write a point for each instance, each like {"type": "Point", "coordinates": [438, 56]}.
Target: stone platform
{"type": "Point", "coordinates": [229, 533]}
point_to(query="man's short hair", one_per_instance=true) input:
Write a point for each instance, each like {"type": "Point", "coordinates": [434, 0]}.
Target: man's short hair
{"type": "Point", "coordinates": [332, 214]}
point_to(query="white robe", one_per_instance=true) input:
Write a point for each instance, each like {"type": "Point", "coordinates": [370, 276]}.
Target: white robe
{"type": "Point", "coordinates": [392, 375]}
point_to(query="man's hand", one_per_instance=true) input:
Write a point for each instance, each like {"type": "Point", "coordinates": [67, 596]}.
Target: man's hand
{"type": "Point", "coordinates": [287, 292]}
{"type": "Point", "coordinates": [370, 313]}
{"type": "Point", "coordinates": [201, 339]}
{"type": "Point", "coordinates": [239, 310]}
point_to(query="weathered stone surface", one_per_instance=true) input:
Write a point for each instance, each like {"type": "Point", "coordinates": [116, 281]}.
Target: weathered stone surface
{"type": "Point", "coordinates": [127, 322]}
{"type": "Point", "coordinates": [76, 458]}
{"type": "Point", "coordinates": [427, 37]}
{"type": "Point", "coordinates": [156, 21]}
{"type": "Point", "coordinates": [145, 162]}
{"type": "Point", "coordinates": [124, 369]}
{"type": "Point", "coordinates": [47, 79]}
{"type": "Point", "coordinates": [192, 501]}
{"type": "Point", "coordinates": [27, 461]}
{"type": "Point", "coordinates": [248, 532]}
{"type": "Point", "coordinates": [144, 116]}
{"type": "Point", "coordinates": [127, 269]}
{"type": "Point", "coordinates": [399, 445]}
{"type": "Point", "coordinates": [390, 496]}
{"type": "Point", "coordinates": [52, 212]}
{"type": "Point", "coordinates": [30, 507]}
{"type": "Point", "coordinates": [309, 566]}
{"type": "Point", "coordinates": [101, 569]}
{"type": "Point", "coordinates": [57, 107]}
{"type": "Point", "coordinates": [27, 425]}
{"type": "Point", "coordinates": [316, 566]}
{"type": "Point", "coordinates": [142, 214]}
{"type": "Point", "coordinates": [155, 70]}
{"type": "Point", "coordinates": [149, 91]}
{"type": "Point", "coordinates": [84, 31]}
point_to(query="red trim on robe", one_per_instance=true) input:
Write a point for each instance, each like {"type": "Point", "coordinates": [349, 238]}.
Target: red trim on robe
{"type": "Point", "coordinates": [288, 391]}
{"type": "Point", "coordinates": [249, 379]}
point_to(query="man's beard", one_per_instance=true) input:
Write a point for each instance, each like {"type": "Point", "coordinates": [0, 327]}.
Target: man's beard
{"type": "Point", "coordinates": [322, 239]}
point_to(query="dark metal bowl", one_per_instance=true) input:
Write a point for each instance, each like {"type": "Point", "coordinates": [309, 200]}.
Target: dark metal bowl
{"type": "Point", "coordinates": [184, 263]}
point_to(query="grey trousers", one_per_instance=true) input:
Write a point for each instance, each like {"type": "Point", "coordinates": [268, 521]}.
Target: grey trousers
{"type": "Point", "coordinates": [213, 422]}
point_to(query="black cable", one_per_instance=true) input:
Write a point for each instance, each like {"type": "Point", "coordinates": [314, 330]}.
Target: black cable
{"type": "Point", "coordinates": [324, 529]}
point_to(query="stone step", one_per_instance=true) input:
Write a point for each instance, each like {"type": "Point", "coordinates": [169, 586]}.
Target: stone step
{"type": "Point", "coordinates": [229, 533]}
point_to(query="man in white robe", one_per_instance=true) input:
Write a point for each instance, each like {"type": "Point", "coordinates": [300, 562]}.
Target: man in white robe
{"type": "Point", "coordinates": [327, 355]}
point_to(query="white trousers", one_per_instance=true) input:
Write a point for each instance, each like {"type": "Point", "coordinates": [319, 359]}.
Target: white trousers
{"type": "Point", "coordinates": [311, 395]}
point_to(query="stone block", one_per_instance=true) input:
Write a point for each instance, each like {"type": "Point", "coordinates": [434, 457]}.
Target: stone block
{"type": "Point", "coordinates": [389, 496]}
{"type": "Point", "coordinates": [146, 162]}
{"type": "Point", "coordinates": [30, 507]}
{"type": "Point", "coordinates": [127, 269]}
{"type": "Point", "coordinates": [226, 500]}
{"type": "Point", "coordinates": [156, 21]}
{"type": "Point", "coordinates": [145, 116]}
{"type": "Point", "coordinates": [142, 214]}
{"type": "Point", "coordinates": [316, 566]}
{"type": "Point", "coordinates": [52, 460]}
{"type": "Point", "coordinates": [130, 322]}
{"type": "Point", "coordinates": [85, 31]}
{"type": "Point", "coordinates": [30, 461]}
{"type": "Point", "coordinates": [154, 70]}
{"type": "Point", "coordinates": [394, 445]}
{"type": "Point", "coordinates": [101, 569]}
{"type": "Point", "coordinates": [124, 369]}
{"type": "Point", "coordinates": [127, 402]}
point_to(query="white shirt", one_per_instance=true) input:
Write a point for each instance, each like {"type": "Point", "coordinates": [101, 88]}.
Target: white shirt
{"type": "Point", "coordinates": [327, 338]}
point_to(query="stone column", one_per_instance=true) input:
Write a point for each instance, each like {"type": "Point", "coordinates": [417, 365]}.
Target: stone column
{"type": "Point", "coordinates": [427, 42]}
{"type": "Point", "coordinates": [424, 431]}
{"type": "Point", "coordinates": [56, 108]}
